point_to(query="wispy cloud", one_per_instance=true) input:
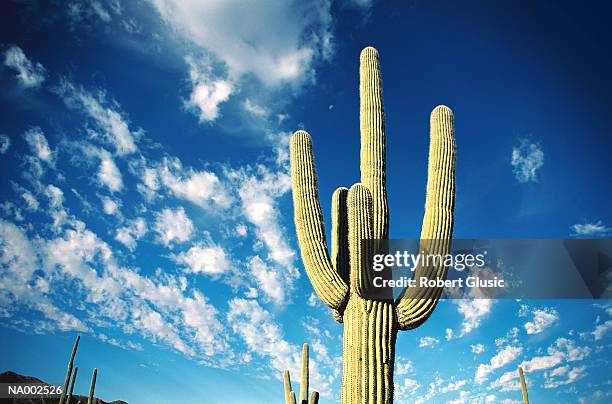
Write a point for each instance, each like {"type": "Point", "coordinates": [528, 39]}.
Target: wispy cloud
{"type": "Point", "coordinates": [542, 319]}
{"type": "Point", "coordinates": [111, 123]}
{"type": "Point", "coordinates": [527, 159]}
{"type": "Point", "coordinates": [29, 74]}
{"type": "Point", "coordinates": [595, 230]}
{"type": "Point", "coordinates": [5, 143]}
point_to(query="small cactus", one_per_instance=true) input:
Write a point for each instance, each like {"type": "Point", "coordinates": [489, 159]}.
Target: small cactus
{"type": "Point", "coordinates": [74, 375]}
{"type": "Point", "coordinates": [92, 387]}
{"type": "Point", "coordinates": [290, 394]}
{"type": "Point", "coordinates": [362, 213]}
{"type": "Point", "coordinates": [523, 386]}
{"type": "Point", "coordinates": [69, 370]}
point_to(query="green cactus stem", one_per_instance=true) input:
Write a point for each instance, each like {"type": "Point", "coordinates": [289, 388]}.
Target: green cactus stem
{"type": "Point", "coordinates": [69, 370]}
{"type": "Point", "coordinates": [523, 386]}
{"type": "Point", "coordinates": [304, 383]}
{"type": "Point", "coordinates": [92, 387]}
{"type": "Point", "coordinates": [359, 213]}
{"type": "Point", "coordinates": [74, 375]}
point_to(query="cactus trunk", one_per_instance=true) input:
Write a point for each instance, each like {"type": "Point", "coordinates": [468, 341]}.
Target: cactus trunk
{"type": "Point", "coordinates": [368, 353]}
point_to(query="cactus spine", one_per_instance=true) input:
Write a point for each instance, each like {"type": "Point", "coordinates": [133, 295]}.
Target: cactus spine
{"type": "Point", "coordinates": [74, 375]}
{"type": "Point", "coordinates": [92, 387]}
{"type": "Point", "coordinates": [69, 370]}
{"type": "Point", "coordinates": [370, 326]}
{"type": "Point", "coordinates": [523, 386]}
{"type": "Point", "coordinates": [290, 394]}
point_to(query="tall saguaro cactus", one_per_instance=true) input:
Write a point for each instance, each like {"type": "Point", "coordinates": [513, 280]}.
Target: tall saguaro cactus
{"type": "Point", "coordinates": [361, 213]}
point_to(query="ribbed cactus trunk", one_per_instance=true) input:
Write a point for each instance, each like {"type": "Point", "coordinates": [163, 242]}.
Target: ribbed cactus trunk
{"type": "Point", "coordinates": [368, 351]}
{"type": "Point", "coordinates": [361, 213]}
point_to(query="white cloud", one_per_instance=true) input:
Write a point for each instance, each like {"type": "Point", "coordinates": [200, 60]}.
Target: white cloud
{"type": "Point", "coordinates": [453, 386]}
{"type": "Point", "coordinates": [477, 349]}
{"type": "Point", "coordinates": [449, 334]}
{"type": "Point", "coordinates": [208, 259]}
{"type": "Point", "coordinates": [527, 159]}
{"type": "Point", "coordinates": [5, 143]}
{"type": "Point", "coordinates": [268, 279]}
{"type": "Point", "coordinates": [501, 359]}
{"type": "Point", "coordinates": [407, 387]}
{"type": "Point", "coordinates": [38, 143]}
{"type": "Point", "coordinates": [263, 337]}
{"type": "Point", "coordinates": [258, 196]}
{"type": "Point", "coordinates": [173, 225]}
{"type": "Point", "coordinates": [110, 121]}
{"type": "Point", "coordinates": [542, 319]}
{"type": "Point", "coordinates": [128, 235]}
{"type": "Point", "coordinates": [110, 206]}
{"type": "Point", "coordinates": [254, 109]}
{"type": "Point", "coordinates": [30, 74]}
{"type": "Point", "coordinates": [403, 366]}
{"type": "Point", "coordinates": [313, 300]}
{"type": "Point", "coordinates": [241, 230]}
{"type": "Point", "coordinates": [108, 172]}
{"type": "Point", "coordinates": [563, 376]}
{"type": "Point", "coordinates": [595, 230]}
{"type": "Point", "coordinates": [601, 330]}
{"type": "Point", "coordinates": [473, 312]}
{"type": "Point", "coordinates": [274, 41]}
{"type": "Point", "coordinates": [21, 284]}
{"type": "Point", "coordinates": [202, 188]}
{"type": "Point", "coordinates": [428, 341]}
{"type": "Point", "coordinates": [207, 93]}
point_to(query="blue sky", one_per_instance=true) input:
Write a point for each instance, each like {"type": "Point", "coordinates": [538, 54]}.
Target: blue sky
{"type": "Point", "coordinates": [145, 198]}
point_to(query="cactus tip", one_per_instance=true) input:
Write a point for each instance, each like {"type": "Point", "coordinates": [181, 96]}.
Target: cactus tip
{"type": "Point", "coordinates": [368, 52]}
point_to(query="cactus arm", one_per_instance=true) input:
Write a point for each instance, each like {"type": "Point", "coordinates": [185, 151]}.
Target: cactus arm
{"type": "Point", "coordinates": [92, 387]}
{"type": "Point", "coordinates": [292, 398]}
{"type": "Point", "coordinates": [287, 383]}
{"type": "Point", "coordinates": [373, 148]}
{"type": "Point", "coordinates": [304, 381]}
{"type": "Point", "coordinates": [328, 285]}
{"type": "Point", "coordinates": [340, 247]}
{"type": "Point", "coordinates": [74, 375]}
{"type": "Point", "coordinates": [69, 370]}
{"type": "Point", "coordinates": [314, 398]}
{"type": "Point", "coordinates": [360, 228]}
{"type": "Point", "coordinates": [417, 304]}
{"type": "Point", "coordinates": [523, 386]}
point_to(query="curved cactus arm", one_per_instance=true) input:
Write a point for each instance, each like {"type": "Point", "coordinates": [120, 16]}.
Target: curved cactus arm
{"type": "Point", "coordinates": [69, 370]}
{"type": "Point", "coordinates": [287, 383]}
{"type": "Point", "coordinates": [417, 304]}
{"type": "Point", "coordinates": [339, 237]}
{"type": "Point", "coordinates": [373, 148]}
{"type": "Point", "coordinates": [523, 386]}
{"type": "Point", "coordinates": [92, 387]}
{"type": "Point", "coordinates": [360, 228]}
{"type": "Point", "coordinates": [328, 285]}
{"type": "Point", "coordinates": [314, 398]}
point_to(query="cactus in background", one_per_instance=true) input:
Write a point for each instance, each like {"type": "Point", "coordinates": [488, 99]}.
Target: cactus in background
{"type": "Point", "coordinates": [370, 326]}
{"type": "Point", "coordinates": [523, 386]}
{"type": "Point", "coordinates": [74, 375]}
{"type": "Point", "coordinates": [290, 394]}
{"type": "Point", "coordinates": [92, 387]}
{"type": "Point", "coordinates": [69, 370]}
